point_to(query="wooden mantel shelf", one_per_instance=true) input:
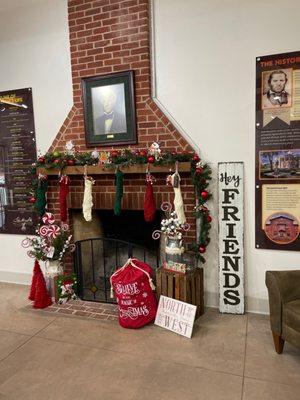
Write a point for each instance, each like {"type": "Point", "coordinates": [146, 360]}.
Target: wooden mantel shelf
{"type": "Point", "coordinates": [102, 170]}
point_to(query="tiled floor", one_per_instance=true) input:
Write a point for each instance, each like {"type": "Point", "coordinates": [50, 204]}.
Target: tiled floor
{"type": "Point", "coordinates": [52, 356]}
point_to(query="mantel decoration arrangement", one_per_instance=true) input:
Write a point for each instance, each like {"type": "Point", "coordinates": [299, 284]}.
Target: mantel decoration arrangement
{"type": "Point", "coordinates": [50, 245]}
{"type": "Point", "coordinates": [116, 159]}
{"type": "Point", "coordinates": [173, 227]}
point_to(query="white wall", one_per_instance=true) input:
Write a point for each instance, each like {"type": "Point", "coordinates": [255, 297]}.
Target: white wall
{"type": "Point", "coordinates": [34, 48]}
{"type": "Point", "coordinates": [205, 77]}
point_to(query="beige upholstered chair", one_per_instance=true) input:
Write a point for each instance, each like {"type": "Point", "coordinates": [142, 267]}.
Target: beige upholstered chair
{"type": "Point", "coordinates": [284, 300]}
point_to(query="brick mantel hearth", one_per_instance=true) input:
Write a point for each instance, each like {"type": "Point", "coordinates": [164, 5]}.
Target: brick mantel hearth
{"type": "Point", "coordinates": [108, 36]}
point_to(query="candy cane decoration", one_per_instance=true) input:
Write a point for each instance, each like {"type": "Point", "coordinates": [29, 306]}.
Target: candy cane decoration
{"type": "Point", "coordinates": [44, 230]}
{"type": "Point", "coordinates": [48, 218]}
{"type": "Point", "coordinates": [53, 231]}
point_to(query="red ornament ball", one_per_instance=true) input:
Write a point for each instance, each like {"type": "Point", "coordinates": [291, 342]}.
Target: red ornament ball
{"type": "Point", "coordinates": [41, 160]}
{"type": "Point", "coordinates": [202, 249]}
{"type": "Point", "coordinates": [56, 161]}
{"type": "Point", "coordinates": [151, 159]}
{"type": "Point", "coordinates": [137, 153]}
{"type": "Point", "coordinates": [199, 171]}
{"type": "Point", "coordinates": [208, 218]}
{"type": "Point", "coordinates": [143, 153]}
{"type": "Point", "coordinates": [71, 162]}
{"type": "Point", "coordinates": [32, 200]}
{"type": "Point", "coordinates": [114, 154]}
{"type": "Point", "coordinates": [196, 158]}
{"type": "Point", "coordinates": [204, 194]}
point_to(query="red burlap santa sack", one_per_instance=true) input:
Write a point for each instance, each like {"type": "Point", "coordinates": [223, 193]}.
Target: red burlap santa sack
{"type": "Point", "coordinates": [133, 288]}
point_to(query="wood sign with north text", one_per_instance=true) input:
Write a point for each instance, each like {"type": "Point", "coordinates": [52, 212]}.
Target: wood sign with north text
{"type": "Point", "coordinates": [175, 316]}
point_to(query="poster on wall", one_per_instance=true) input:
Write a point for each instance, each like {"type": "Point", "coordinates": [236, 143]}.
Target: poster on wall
{"type": "Point", "coordinates": [17, 153]}
{"type": "Point", "coordinates": [277, 175]}
{"type": "Point", "coordinates": [231, 237]}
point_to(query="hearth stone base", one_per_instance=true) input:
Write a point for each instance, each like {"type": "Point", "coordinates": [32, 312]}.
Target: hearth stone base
{"type": "Point", "coordinates": [83, 309]}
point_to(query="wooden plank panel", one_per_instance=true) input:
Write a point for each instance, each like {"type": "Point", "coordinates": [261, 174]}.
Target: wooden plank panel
{"type": "Point", "coordinates": [231, 237]}
{"type": "Point", "coordinates": [197, 288]}
{"type": "Point", "coordinates": [193, 289]}
{"type": "Point", "coordinates": [170, 285]}
{"type": "Point", "coordinates": [164, 284]}
{"type": "Point", "coordinates": [177, 287]}
{"type": "Point", "coordinates": [102, 170]}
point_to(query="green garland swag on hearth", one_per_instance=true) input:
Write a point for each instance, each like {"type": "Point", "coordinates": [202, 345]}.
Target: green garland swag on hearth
{"type": "Point", "coordinates": [200, 173]}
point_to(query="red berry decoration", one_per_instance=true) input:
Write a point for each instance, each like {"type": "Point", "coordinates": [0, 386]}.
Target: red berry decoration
{"type": "Point", "coordinates": [196, 158]}
{"type": "Point", "coordinates": [204, 194]}
{"type": "Point", "coordinates": [32, 200]}
{"type": "Point", "coordinates": [151, 159]}
{"type": "Point", "coordinates": [199, 171]}
{"type": "Point", "coordinates": [71, 162]}
{"type": "Point", "coordinates": [202, 249]}
{"type": "Point", "coordinates": [208, 218]}
{"type": "Point", "coordinates": [41, 160]}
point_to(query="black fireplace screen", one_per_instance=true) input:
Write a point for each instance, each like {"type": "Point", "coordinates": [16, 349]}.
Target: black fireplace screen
{"type": "Point", "coordinates": [96, 259]}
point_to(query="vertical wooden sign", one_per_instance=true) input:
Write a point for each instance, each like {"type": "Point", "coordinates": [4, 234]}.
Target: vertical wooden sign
{"type": "Point", "coordinates": [231, 237]}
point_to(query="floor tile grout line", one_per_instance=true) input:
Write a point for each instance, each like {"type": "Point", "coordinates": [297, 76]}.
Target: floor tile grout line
{"type": "Point", "coordinates": [128, 353]}
{"type": "Point", "coordinates": [270, 381]}
{"type": "Point", "coordinates": [26, 341]}
{"type": "Point", "coordinates": [245, 355]}
{"type": "Point", "coordinates": [15, 332]}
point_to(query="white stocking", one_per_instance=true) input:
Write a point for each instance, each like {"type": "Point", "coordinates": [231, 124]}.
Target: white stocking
{"type": "Point", "coordinates": [87, 199]}
{"type": "Point", "coordinates": [178, 202]}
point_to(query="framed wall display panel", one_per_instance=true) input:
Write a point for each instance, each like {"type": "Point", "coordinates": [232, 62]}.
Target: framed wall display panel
{"type": "Point", "coordinates": [277, 185]}
{"type": "Point", "coordinates": [109, 109]}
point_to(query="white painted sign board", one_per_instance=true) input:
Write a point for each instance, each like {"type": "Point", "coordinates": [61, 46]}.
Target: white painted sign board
{"type": "Point", "coordinates": [231, 237]}
{"type": "Point", "coordinates": [175, 316]}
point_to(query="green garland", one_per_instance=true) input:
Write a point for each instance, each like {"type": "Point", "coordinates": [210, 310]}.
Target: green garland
{"type": "Point", "coordinates": [200, 173]}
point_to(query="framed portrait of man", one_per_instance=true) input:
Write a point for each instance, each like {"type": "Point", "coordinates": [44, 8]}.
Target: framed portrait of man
{"type": "Point", "coordinates": [109, 109]}
{"type": "Point", "coordinates": [276, 89]}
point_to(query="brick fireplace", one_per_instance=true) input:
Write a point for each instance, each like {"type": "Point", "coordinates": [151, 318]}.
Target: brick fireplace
{"type": "Point", "coordinates": [108, 36]}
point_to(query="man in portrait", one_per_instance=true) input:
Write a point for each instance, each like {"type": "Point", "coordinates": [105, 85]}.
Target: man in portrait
{"type": "Point", "coordinates": [276, 95]}
{"type": "Point", "coordinates": [110, 121]}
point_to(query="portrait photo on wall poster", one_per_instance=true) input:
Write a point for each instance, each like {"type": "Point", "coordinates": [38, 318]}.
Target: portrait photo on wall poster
{"type": "Point", "coordinates": [109, 109]}
{"type": "Point", "coordinates": [277, 172]}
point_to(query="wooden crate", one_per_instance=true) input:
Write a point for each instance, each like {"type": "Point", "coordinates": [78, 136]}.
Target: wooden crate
{"type": "Point", "coordinates": [184, 287]}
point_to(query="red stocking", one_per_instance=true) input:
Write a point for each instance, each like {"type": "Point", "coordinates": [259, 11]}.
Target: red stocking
{"type": "Point", "coordinates": [42, 297]}
{"type": "Point", "coordinates": [63, 193]}
{"type": "Point", "coordinates": [149, 202]}
{"type": "Point", "coordinates": [36, 270]}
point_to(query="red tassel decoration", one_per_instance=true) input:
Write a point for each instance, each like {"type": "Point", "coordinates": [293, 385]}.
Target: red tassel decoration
{"type": "Point", "coordinates": [36, 270]}
{"type": "Point", "coordinates": [42, 297]}
{"type": "Point", "coordinates": [149, 202]}
{"type": "Point", "coordinates": [64, 183]}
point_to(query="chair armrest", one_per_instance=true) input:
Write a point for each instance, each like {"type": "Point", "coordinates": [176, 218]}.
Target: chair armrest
{"type": "Point", "coordinates": [283, 286]}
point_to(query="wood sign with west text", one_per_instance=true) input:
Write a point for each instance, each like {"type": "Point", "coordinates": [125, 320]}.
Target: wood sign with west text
{"type": "Point", "coordinates": [175, 316]}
